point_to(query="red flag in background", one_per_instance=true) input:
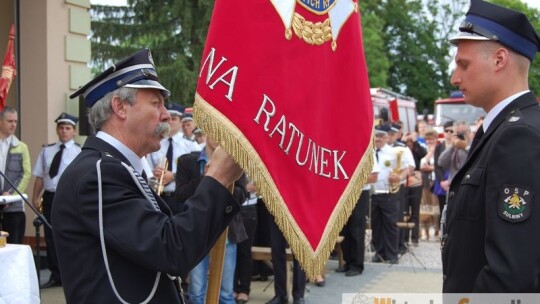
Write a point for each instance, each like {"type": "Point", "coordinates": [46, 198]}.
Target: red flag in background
{"type": "Point", "coordinates": [283, 87]}
{"type": "Point", "coordinates": [8, 69]}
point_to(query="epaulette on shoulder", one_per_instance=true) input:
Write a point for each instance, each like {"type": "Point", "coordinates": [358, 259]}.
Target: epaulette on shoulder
{"type": "Point", "coordinates": [78, 145]}
{"type": "Point", "coordinates": [514, 116]}
{"type": "Point", "coordinates": [48, 145]}
{"type": "Point", "coordinates": [108, 157]}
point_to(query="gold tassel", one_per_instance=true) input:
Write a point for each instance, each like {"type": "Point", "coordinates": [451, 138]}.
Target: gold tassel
{"type": "Point", "coordinates": [230, 138]}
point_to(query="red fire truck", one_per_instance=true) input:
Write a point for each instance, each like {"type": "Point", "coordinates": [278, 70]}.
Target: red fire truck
{"type": "Point", "coordinates": [454, 108]}
{"type": "Point", "coordinates": [397, 107]}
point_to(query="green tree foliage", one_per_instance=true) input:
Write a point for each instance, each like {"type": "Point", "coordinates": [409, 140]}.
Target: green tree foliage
{"type": "Point", "coordinates": [175, 31]}
{"type": "Point", "coordinates": [374, 48]}
{"type": "Point", "coordinates": [405, 42]}
{"type": "Point", "coordinates": [416, 36]}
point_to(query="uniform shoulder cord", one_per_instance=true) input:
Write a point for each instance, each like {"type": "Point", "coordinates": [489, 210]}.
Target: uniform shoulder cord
{"type": "Point", "coordinates": [102, 235]}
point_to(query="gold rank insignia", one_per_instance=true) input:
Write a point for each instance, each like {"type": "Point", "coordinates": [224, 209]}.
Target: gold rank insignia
{"type": "Point", "coordinates": [337, 13]}
{"type": "Point", "coordinates": [514, 203]}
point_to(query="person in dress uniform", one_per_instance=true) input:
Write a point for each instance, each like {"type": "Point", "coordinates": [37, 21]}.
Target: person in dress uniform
{"type": "Point", "coordinates": [188, 126]}
{"type": "Point", "coordinates": [490, 241]}
{"type": "Point", "coordinates": [116, 239]}
{"type": "Point", "coordinates": [50, 164]}
{"type": "Point", "coordinates": [354, 231]}
{"type": "Point", "coordinates": [385, 205]}
{"type": "Point", "coordinates": [172, 147]}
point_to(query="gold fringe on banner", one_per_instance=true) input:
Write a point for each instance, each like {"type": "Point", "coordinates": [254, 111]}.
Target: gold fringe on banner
{"type": "Point", "coordinates": [230, 138]}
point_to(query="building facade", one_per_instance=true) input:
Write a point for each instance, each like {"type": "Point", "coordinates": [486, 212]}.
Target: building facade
{"type": "Point", "coordinates": [52, 52]}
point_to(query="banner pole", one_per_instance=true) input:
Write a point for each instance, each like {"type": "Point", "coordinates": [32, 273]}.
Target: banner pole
{"type": "Point", "coordinates": [217, 256]}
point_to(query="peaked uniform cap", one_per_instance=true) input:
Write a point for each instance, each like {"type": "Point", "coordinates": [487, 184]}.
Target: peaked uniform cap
{"type": "Point", "coordinates": [382, 129]}
{"type": "Point", "coordinates": [66, 118]}
{"type": "Point", "coordinates": [136, 71]}
{"type": "Point", "coordinates": [489, 22]}
{"type": "Point", "coordinates": [187, 117]}
{"type": "Point", "coordinates": [175, 109]}
{"type": "Point", "coordinates": [394, 128]}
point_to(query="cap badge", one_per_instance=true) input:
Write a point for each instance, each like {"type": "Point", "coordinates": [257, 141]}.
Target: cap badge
{"type": "Point", "coordinates": [514, 204]}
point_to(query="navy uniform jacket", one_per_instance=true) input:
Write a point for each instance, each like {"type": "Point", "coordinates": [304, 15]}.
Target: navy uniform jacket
{"type": "Point", "coordinates": [493, 219]}
{"type": "Point", "coordinates": [139, 239]}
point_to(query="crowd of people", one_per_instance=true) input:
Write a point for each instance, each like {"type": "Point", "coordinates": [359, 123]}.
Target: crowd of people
{"type": "Point", "coordinates": [136, 210]}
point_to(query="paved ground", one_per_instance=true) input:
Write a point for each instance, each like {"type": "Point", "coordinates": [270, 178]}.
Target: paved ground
{"type": "Point", "coordinates": [406, 277]}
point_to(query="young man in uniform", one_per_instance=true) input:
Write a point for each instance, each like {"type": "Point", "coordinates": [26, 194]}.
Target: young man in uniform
{"type": "Point", "coordinates": [490, 241]}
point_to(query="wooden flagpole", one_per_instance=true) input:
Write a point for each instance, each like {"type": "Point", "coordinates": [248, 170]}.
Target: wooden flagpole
{"type": "Point", "coordinates": [217, 256]}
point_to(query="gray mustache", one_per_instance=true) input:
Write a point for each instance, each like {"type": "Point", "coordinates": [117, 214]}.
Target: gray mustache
{"type": "Point", "coordinates": [163, 129]}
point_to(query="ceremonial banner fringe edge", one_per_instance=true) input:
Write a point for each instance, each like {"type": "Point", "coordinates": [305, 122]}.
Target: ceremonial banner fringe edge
{"type": "Point", "coordinates": [230, 138]}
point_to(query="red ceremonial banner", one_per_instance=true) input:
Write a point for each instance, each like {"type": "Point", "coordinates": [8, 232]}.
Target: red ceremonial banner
{"type": "Point", "coordinates": [8, 69]}
{"type": "Point", "coordinates": [283, 87]}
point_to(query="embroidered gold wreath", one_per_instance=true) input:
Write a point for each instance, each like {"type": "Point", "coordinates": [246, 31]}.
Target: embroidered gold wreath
{"type": "Point", "coordinates": [312, 33]}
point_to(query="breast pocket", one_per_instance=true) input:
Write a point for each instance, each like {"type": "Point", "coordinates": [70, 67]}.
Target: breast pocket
{"type": "Point", "coordinates": [469, 198]}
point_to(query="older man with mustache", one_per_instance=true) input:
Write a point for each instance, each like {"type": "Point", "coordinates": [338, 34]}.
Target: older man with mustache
{"type": "Point", "coordinates": [117, 241]}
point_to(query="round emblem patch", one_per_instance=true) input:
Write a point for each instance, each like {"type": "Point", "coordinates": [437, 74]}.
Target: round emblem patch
{"type": "Point", "coordinates": [514, 203]}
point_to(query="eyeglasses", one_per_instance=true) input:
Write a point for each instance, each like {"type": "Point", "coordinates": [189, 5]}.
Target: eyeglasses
{"type": "Point", "coordinates": [449, 131]}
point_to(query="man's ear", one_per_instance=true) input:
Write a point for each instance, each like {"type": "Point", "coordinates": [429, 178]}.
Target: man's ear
{"type": "Point", "coordinates": [119, 107]}
{"type": "Point", "coordinates": [501, 57]}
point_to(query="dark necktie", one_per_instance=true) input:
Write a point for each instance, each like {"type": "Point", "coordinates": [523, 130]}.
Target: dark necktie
{"type": "Point", "coordinates": [377, 154]}
{"type": "Point", "coordinates": [53, 170]}
{"type": "Point", "coordinates": [169, 155]}
{"type": "Point", "coordinates": [144, 176]}
{"type": "Point", "coordinates": [477, 136]}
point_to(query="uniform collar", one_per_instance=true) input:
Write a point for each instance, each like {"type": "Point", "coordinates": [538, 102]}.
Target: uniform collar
{"type": "Point", "coordinates": [131, 156]}
{"type": "Point", "coordinates": [67, 144]}
{"type": "Point", "coordinates": [498, 108]}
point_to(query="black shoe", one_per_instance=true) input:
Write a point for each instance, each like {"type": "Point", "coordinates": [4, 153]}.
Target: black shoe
{"type": "Point", "coordinates": [320, 283]}
{"type": "Point", "coordinates": [353, 272]}
{"type": "Point", "coordinates": [260, 278]}
{"type": "Point", "coordinates": [342, 269]}
{"type": "Point", "coordinates": [279, 300]}
{"type": "Point", "coordinates": [402, 250]}
{"type": "Point", "coordinates": [377, 259]}
{"type": "Point", "coordinates": [298, 301]}
{"type": "Point", "coordinates": [393, 261]}
{"type": "Point", "coordinates": [51, 283]}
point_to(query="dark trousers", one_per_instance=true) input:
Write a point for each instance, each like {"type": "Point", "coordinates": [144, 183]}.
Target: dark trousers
{"type": "Point", "coordinates": [262, 238]}
{"type": "Point", "coordinates": [244, 262]}
{"type": "Point", "coordinates": [52, 259]}
{"type": "Point", "coordinates": [355, 232]}
{"type": "Point", "coordinates": [279, 244]}
{"type": "Point", "coordinates": [385, 211]}
{"type": "Point", "coordinates": [13, 223]}
{"type": "Point", "coordinates": [410, 206]}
